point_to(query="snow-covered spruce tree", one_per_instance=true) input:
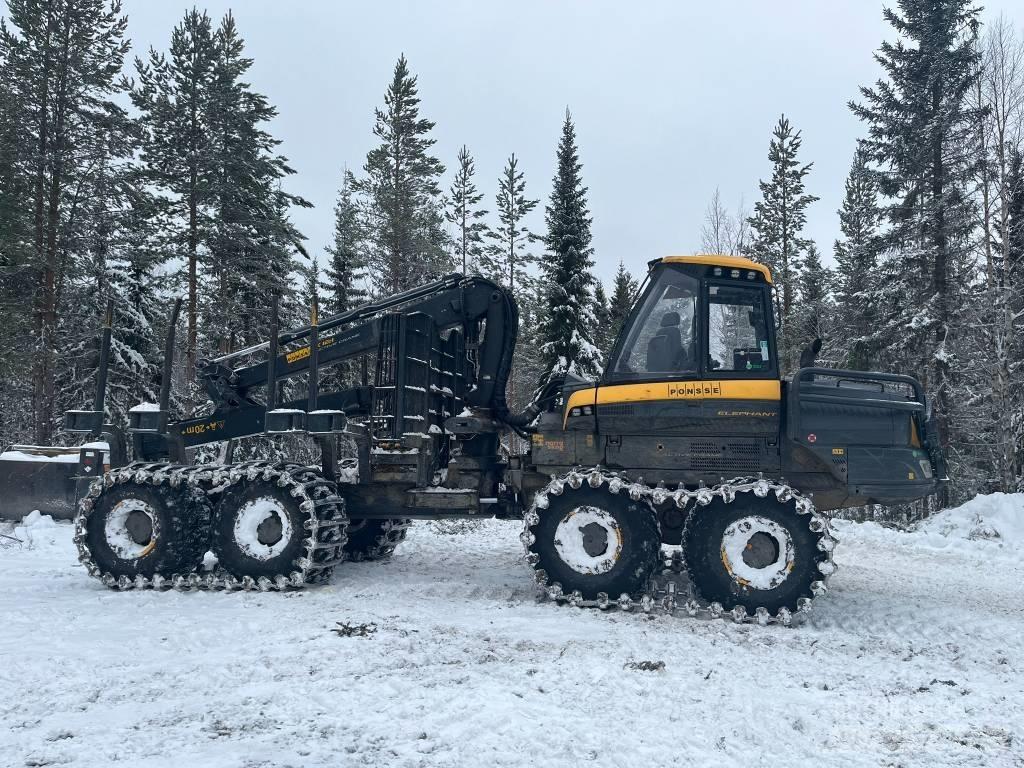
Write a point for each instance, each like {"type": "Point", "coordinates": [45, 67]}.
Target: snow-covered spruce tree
{"type": "Point", "coordinates": [172, 95]}
{"type": "Point", "coordinates": [16, 279]}
{"type": "Point", "coordinates": [215, 167]}
{"type": "Point", "coordinates": [465, 215]}
{"type": "Point", "coordinates": [61, 60]}
{"type": "Point", "coordinates": [624, 292]}
{"type": "Point", "coordinates": [920, 135]}
{"type": "Point", "coordinates": [567, 316]}
{"type": "Point", "coordinates": [602, 319]}
{"type": "Point", "coordinates": [345, 275]}
{"type": "Point", "coordinates": [857, 279]}
{"type": "Point", "coordinates": [253, 246]}
{"type": "Point", "coordinates": [776, 229]}
{"type": "Point", "coordinates": [312, 286]}
{"type": "Point", "coordinates": [400, 197]}
{"type": "Point", "coordinates": [527, 365]}
{"type": "Point", "coordinates": [344, 281]}
{"type": "Point", "coordinates": [815, 312]}
{"type": "Point", "coordinates": [117, 258]}
{"type": "Point", "coordinates": [507, 257]}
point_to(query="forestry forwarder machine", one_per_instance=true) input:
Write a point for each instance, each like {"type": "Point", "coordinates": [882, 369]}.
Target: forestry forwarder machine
{"type": "Point", "coordinates": [616, 468]}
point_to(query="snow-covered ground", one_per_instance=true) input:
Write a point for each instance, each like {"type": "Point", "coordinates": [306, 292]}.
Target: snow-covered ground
{"type": "Point", "coordinates": [914, 658]}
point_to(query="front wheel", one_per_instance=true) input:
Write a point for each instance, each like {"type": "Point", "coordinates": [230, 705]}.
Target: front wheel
{"type": "Point", "coordinates": [755, 552]}
{"type": "Point", "coordinates": [593, 541]}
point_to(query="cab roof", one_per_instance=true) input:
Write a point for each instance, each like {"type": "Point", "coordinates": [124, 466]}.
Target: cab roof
{"type": "Point", "coordinates": [717, 260]}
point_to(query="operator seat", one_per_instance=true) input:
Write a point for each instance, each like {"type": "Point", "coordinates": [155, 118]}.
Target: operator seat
{"type": "Point", "coordinates": [665, 349]}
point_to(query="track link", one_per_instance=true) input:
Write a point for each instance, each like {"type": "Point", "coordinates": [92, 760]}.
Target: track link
{"type": "Point", "coordinates": [667, 593]}
{"type": "Point", "coordinates": [324, 527]}
{"type": "Point", "coordinates": [376, 539]}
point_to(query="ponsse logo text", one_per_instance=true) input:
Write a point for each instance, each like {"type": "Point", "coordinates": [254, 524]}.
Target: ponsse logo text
{"type": "Point", "coordinates": [695, 389]}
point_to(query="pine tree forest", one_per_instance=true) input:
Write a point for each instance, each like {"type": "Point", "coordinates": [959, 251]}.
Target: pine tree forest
{"type": "Point", "coordinates": [140, 176]}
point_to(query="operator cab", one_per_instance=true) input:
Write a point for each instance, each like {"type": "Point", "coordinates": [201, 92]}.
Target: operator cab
{"type": "Point", "coordinates": [698, 317]}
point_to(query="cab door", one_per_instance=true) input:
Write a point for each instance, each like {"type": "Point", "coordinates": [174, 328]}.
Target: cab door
{"type": "Point", "coordinates": [692, 390]}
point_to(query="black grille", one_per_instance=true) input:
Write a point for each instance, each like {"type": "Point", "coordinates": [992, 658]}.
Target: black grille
{"type": "Point", "coordinates": [615, 410]}
{"type": "Point", "coordinates": [711, 455]}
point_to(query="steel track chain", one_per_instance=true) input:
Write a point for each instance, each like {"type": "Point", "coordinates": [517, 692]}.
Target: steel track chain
{"type": "Point", "coordinates": [392, 533]}
{"type": "Point", "coordinates": [324, 526]}
{"type": "Point", "coordinates": [663, 593]}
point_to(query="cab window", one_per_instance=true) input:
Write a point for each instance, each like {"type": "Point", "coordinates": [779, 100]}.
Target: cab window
{"type": "Point", "coordinates": [662, 336]}
{"type": "Point", "coordinates": [737, 329]}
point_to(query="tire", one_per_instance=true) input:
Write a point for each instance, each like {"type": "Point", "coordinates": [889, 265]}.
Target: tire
{"type": "Point", "coordinates": [594, 541]}
{"type": "Point", "coordinates": [374, 539]}
{"type": "Point", "coordinates": [259, 530]}
{"type": "Point", "coordinates": [753, 552]}
{"type": "Point", "coordinates": [144, 530]}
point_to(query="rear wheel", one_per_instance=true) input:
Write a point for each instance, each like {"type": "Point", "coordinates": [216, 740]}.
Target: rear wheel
{"type": "Point", "coordinates": [593, 541]}
{"type": "Point", "coordinates": [374, 539]}
{"type": "Point", "coordinates": [753, 552]}
{"type": "Point", "coordinates": [284, 524]}
{"type": "Point", "coordinates": [142, 530]}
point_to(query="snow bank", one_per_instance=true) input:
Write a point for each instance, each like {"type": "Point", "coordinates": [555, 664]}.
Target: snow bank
{"type": "Point", "coordinates": [996, 517]}
{"type": "Point", "coordinates": [990, 524]}
{"type": "Point", "coordinates": [37, 530]}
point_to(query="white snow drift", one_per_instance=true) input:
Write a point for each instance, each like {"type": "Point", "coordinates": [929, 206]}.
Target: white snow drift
{"type": "Point", "coordinates": [442, 657]}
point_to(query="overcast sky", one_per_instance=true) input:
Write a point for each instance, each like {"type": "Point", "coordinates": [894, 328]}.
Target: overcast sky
{"type": "Point", "coordinates": [670, 99]}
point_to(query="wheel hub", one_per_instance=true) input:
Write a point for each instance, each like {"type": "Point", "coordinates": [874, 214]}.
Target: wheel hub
{"type": "Point", "coordinates": [139, 527]}
{"type": "Point", "coordinates": [595, 539]}
{"type": "Point", "coordinates": [588, 540]}
{"type": "Point", "coordinates": [130, 529]}
{"type": "Point", "coordinates": [269, 531]}
{"type": "Point", "coordinates": [761, 551]}
{"type": "Point", "coordinates": [262, 528]}
{"type": "Point", "coordinates": [758, 552]}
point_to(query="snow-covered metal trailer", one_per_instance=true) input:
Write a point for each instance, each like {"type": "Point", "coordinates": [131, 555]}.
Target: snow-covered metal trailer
{"type": "Point", "coordinates": [47, 478]}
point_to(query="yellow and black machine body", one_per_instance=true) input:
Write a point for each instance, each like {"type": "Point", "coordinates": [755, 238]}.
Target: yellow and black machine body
{"type": "Point", "coordinates": [690, 437]}
{"type": "Point", "coordinates": [692, 394]}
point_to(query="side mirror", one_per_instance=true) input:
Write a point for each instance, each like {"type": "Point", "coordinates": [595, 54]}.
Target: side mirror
{"type": "Point", "coordinates": [810, 352]}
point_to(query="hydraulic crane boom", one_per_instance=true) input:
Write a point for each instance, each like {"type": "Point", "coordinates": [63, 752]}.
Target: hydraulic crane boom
{"type": "Point", "coordinates": [454, 302]}
{"type": "Point", "coordinates": [483, 313]}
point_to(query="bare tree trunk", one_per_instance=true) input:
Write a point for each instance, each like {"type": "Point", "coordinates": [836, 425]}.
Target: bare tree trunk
{"type": "Point", "coordinates": [40, 366]}
{"type": "Point", "coordinates": [940, 283]}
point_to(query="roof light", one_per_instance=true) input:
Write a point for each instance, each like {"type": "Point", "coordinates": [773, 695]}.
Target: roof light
{"type": "Point", "coordinates": [718, 271]}
{"type": "Point", "coordinates": [734, 273]}
{"type": "Point", "coordinates": [751, 275]}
